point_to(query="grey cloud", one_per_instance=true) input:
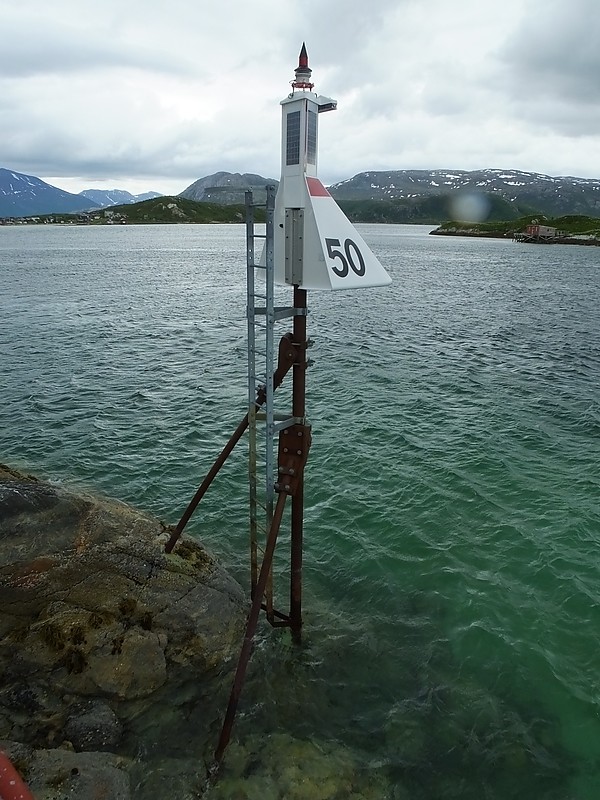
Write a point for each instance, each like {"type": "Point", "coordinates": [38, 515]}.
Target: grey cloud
{"type": "Point", "coordinates": [64, 49]}
{"type": "Point", "coordinates": [565, 117]}
{"type": "Point", "coordinates": [41, 56]}
{"type": "Point", "coordinates": [552, 65]}
{"type": "Point", "coordinates": [181, 89]}
{"type": "Point", "coordinates": [345, 36]}
{"type": "Point", "coordinates": [51, 151]}
{"type": "Point", "coordinates": [339, 21]}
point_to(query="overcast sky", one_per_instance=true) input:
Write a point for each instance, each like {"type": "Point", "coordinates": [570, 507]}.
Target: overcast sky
{"type": "Point", "coordinates": [154, 94]}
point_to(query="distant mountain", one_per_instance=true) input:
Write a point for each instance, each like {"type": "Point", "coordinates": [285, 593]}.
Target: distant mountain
{"type": "Point", "coordinates": [116, 197]}
{"type": "Point", "coordinates": [524, 191]}
{"type": "Point", "coordinates": [426, 196]}
{"type": "Point", "coordinates": [26, 196]}
{"type": "Point", "coordinates": [227, 188]}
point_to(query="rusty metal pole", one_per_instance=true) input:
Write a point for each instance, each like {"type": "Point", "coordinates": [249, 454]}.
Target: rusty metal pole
{"type": "Point", "coordinates": [297, 515]}
{"type": "Point", "coordinates": [246, 651]}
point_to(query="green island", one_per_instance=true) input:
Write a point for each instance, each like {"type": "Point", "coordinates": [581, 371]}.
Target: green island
{"type": "Point", "coordinates": [537, 228]}
{"type": "Point", "coordinates": [157, 211]}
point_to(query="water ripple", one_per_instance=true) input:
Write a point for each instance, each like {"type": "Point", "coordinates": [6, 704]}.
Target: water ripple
{"type": "Point", "coordinates": [452, 520]}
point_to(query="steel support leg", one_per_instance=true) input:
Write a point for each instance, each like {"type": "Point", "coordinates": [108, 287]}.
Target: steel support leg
{"type": "Point", "coordinates": [297, 516]}
{"type": "Point", "coordinates": [246, 651]}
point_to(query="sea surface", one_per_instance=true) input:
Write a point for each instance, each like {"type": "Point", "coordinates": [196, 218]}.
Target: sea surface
{"type": "Point", "coordinates": [452, 531]}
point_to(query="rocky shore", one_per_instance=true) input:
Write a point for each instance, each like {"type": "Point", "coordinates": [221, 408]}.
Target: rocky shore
{"type": "Point", "coordinates": [103, 639]}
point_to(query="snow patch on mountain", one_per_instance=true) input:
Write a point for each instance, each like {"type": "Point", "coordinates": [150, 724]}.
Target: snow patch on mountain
{"type": "Point", "coordinates": [25, 196]}
{"type": "Point", "coordinates": [529, 191]}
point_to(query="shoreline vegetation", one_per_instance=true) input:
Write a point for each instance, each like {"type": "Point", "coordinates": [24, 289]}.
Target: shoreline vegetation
{"type": "Point", "coordinates": [157, 211]}
{"type": "Point", "coordinates": [534, 228]}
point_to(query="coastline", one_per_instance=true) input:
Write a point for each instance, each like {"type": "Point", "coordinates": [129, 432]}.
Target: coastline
{"type": "Point", "coordinates": [474, 233]}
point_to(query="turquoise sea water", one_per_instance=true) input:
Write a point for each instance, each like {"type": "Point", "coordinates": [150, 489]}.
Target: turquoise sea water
{"type": "Point", "coordinates": [452, 581]}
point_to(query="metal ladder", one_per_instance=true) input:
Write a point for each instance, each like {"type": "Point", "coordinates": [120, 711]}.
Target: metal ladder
{"type": "Point", "coordinates": [264, 423]}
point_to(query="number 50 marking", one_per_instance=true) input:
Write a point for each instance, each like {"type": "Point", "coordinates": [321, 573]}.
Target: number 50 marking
{"type": "Point", "coordinates": [348, 259]}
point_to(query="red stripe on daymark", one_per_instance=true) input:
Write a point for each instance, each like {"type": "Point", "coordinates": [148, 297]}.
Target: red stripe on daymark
{"type": "Point", "coordinates": [316, 188]}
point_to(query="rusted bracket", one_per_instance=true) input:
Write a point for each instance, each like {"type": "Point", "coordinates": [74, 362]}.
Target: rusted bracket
{"type": "Point", "coordinates": [294, 444]}
{"type": "Point", "coordinates": [289, 354]}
